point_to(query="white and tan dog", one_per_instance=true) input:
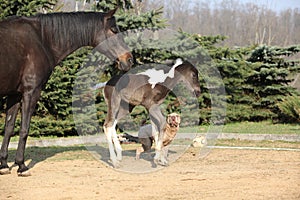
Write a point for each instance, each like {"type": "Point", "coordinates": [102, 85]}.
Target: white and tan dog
{"type": "Point", "coordinates": [146, 135]}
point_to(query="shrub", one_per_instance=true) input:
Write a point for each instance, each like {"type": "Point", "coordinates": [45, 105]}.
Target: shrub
{"type": "Point", "coordinates": [289, 109]}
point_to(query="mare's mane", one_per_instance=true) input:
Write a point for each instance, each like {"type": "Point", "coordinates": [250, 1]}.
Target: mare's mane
{"type": "Point", "coordinates": [60, 28]}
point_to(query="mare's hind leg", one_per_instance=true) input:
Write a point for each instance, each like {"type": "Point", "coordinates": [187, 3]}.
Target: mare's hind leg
{"type": "Point", "coordinates": [13, 105]}
{"type": "Point", "coordinates": [28, 105]}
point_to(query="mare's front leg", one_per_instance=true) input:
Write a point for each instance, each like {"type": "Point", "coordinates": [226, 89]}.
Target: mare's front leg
{"type": "Point", "coordinates": [29, 101]}
{"type": "Point", "coordinates": [13, 105]}
{"type": "Point", "coordinates": [159, 122]}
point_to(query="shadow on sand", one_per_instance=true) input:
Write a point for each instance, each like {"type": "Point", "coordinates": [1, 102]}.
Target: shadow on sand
{"type": "Point", "coordinates": [35, 155]}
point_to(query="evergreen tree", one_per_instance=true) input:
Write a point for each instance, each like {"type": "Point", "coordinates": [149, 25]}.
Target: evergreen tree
{"type": "Point", "coordinates": [270, 75]}
{"type": "Point", "coordinates": [24, 7]}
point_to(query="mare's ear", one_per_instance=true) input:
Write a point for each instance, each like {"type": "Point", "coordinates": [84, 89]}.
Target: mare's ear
{"type": "Point", "coordinates": [110, 13]}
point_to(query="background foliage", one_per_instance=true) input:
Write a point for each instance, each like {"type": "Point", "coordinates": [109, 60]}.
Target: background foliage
{"type": "Point", "coordinates": [256, 78]}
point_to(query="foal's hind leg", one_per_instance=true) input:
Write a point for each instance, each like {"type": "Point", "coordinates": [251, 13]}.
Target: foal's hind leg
{"type": "Point", "coordinates": [109, 130]}
{"type": "Point", "coordinates": [13, 105]}
{"type": "Point", "coordinates": [113, 102]}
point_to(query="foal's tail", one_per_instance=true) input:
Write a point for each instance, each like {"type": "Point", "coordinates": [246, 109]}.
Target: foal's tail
{"type": "Point", "coordinates": [99, 86]}
{"type": "Point", "coordinates": [125, 137]}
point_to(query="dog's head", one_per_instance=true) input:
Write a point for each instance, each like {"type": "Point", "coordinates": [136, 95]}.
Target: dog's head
{"type": "Point", "coordinates": [173, 119]}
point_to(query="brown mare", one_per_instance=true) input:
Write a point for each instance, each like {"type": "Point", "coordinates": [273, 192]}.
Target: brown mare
{"type": "Point", "coordinates": [149, 89]}
{"type": "Point", "coordinates": [32, 46]}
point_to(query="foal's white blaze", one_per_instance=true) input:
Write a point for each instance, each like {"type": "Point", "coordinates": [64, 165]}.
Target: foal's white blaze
{"type": "Point", "coordinates": [158, 76]}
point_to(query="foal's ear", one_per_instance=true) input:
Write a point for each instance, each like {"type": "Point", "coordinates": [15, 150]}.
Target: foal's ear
{"type": "Point", "coordinates": [110, 13]}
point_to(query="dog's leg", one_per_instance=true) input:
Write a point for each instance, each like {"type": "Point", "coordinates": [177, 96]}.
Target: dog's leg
{"type": "Point", "coordinates": [139, 150]}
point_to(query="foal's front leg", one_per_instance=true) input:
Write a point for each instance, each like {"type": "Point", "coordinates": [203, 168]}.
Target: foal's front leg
{"type": "Point", "coordinates": [159, 121]}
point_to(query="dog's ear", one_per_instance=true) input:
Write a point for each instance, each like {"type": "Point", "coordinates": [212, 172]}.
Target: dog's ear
{"type": "Point", "coordinates": [168, 119]}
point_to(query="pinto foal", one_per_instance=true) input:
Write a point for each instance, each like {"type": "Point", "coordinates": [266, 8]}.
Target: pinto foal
{"type": "Point", "coordinates": [149, 89]}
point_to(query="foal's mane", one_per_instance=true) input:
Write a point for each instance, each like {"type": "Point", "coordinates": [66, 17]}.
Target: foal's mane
{"type": "Point", "coordinates": [70, 28]}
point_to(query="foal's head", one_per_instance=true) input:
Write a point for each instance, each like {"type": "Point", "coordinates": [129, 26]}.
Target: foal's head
{"type": "Point", "coordinates": [114, 46]}
{"type": "Point", "coordinates": [190, 77]}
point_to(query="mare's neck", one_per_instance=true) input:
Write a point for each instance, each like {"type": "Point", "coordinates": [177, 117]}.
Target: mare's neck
{"type": "Point", "coordinates": [64, 33]}
{"type": "Point", "coordinates": [61, 51]}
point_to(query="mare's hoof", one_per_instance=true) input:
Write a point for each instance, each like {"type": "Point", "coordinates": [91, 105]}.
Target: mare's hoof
{"type": "Point", "coordinates": [4, 171]}
{"type": "Point", "coordinates": [24, 174]}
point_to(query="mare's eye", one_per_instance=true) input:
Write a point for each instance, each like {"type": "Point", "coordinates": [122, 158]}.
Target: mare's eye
{"type": "Point", "coordinates": [114, 29]}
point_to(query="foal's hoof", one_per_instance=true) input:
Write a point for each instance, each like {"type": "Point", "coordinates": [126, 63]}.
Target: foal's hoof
{"type": "Point", "coordinates": [24, 174]}
{"type": "Point", "coordinates": [161, 162]}
{"type": "Point", "coordinates": [4, 171]}
{"type": "Point", "coordinates": [116, 164]}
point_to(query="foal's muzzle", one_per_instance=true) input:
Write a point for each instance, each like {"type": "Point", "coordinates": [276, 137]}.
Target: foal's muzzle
{"type": "Point", "coordinates": [197, 92]}
{"type": "Point", "coordinates": [125, 61]}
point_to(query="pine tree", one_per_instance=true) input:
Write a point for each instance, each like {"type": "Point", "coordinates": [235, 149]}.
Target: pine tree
{"type": "Point", "coordinates": [24, 7]}
{"type": "Point", "coordinates": [271, 74]}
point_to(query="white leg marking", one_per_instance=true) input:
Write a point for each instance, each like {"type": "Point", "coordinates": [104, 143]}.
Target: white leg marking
{"type": "Point", "coordinates": [108, 133]}
{"type": "Point", "coordinates": [116, 141]}
{"type": "Point", "coordinates": [160, 154]}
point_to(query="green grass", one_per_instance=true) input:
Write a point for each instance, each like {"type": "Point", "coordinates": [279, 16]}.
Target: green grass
{"type": "Point", "coordinates": [266, 127]}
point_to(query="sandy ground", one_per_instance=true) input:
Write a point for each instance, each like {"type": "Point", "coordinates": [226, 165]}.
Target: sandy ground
{"type": "Point", "coordinates": [223, 174]}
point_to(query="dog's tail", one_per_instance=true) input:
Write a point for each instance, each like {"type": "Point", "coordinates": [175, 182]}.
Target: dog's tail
{"type": "Point", "coordinates": [130, 138]}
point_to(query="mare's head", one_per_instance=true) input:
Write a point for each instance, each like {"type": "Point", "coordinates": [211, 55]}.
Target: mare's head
{"type": "Point", "coordinates": [113, 45]}
{"type": "Point", "coordinates": [189, 75]}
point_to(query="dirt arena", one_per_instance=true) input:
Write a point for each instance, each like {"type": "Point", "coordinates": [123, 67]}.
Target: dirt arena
{"type": "Point", "coordinates": [73, 173]}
